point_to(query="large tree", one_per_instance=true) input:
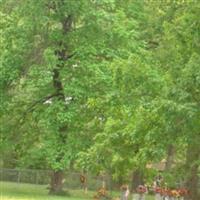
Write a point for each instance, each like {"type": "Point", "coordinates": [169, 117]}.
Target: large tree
{"type": "Point", "coordinates": [55, 59]}
{"type": "Point", "coordinates": [110, 81]}
{"type": "Point", "coordinates": [156, 97]}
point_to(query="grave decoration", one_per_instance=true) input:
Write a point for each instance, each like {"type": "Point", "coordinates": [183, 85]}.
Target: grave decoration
{"type": "Point", "coordinates": [102, 194]}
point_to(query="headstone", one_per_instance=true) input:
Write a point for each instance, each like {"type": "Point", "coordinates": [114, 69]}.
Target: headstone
{"type": "Point", "coordinates": [138, 196]}
{"type": "Point", "coordinates": [166, 198]}
{"type": "Point", "coordinates": [158, 196]}
{"type": "Point", "coordinates": [123, 197]}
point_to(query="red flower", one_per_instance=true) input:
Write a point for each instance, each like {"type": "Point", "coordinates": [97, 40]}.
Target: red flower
{"type": "Point", "coordinates": [164, 192]}
{"type": "Point", "coordinates": [183, 192]}
{"type": "Point", "coordinates": [158, 190]}
{"type": "Point", "coordinates": [141, 189]}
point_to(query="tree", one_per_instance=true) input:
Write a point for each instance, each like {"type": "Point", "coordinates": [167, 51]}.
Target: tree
{"type": "Point", "coordinates": [63, 58]}
{"type": "Point", "coordinates": [111, 81]}
{"type": "Point", "coordinates": [178, 47]}
{"type": "Point", "coordinates": [151, 101]}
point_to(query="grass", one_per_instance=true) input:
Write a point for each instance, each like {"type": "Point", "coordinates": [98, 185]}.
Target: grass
{"type": "Point", "coordinates": [14, 191]}
{"type": "Point", "coordinates": [22, 191]}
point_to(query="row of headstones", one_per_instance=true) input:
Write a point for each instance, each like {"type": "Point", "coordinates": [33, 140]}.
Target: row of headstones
{"type": "Point", "coordinates": [157, 197]}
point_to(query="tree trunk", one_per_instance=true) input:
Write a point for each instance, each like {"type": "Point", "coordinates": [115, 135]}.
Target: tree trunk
{"type": "Point", "coordinates": [62, 55]}
{"type": "Point", "coordinates": [192, 166]}
{"type": "Point", "coordinates": [56, 186]}
{"type": "Point", "coordinates": [170, 157]}
{"type": "Point", "coordinates": [137, 179]}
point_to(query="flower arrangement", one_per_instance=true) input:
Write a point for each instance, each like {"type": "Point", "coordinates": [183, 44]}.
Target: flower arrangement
{"type": "Point", "coordinates": [175, 193]}
{"type": "Point", "coordinates": [82, 178]}
{"type": "Point", "coordinates": [101, 194]}
{"type": "Point", "coordinates": [183, 192]}
{"type": "Point", "coordinates": [124, 187]}
{"type": "Point", "coordinates": [164, 191]}
{"type": "Point", "coordinates": [141, 189]}
{"type": "Point", "coordinates": [158, 190]}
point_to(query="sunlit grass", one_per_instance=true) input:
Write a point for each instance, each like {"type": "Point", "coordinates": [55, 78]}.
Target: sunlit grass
{"type": "Point", "coordinates": [14, 191]}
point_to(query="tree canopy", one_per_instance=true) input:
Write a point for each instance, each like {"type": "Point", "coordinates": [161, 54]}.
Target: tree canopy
{"type": "Point", "coordinates": [101, 85]}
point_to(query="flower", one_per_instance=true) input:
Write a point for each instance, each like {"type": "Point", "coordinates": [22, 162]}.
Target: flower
{"type": "Point", "coordinates": [124, 187]}
{"type": "Point", "coordinates": [164, 192]}
{"type": "Point", "coordinates": [158, 190]}
{"type": "Point", "coordinates": [102, 192]}
{"type": "Point", "coordinates": [141, 189]}
{"type": "Point", "coordinates": [175, 193]}
{"type": "Point", "coordinates": [183, 192]}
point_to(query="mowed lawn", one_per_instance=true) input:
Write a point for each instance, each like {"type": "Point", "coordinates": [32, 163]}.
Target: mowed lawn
{"type": "Point", "coordinates": [14, 191]}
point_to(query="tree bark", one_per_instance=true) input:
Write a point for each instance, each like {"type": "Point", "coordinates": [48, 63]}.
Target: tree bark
{"type": "Point", "coordinates": [170, 157]}
{"type": "Point", "coordinates": [56, 186]}
{"type": "Point", "coordinates": [137, 179]}
{"type": "Point", "coordinates": [192, 166]}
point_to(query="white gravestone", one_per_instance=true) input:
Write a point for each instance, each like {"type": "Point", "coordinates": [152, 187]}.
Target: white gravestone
{"type": "Point", "coordinates": [138, 196]}
{"type": "Point", "coordinates": [158, 196]}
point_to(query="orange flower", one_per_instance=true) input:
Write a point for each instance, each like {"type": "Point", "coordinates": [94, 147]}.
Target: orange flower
{"type": "Point", "coordinates": [175, 193]}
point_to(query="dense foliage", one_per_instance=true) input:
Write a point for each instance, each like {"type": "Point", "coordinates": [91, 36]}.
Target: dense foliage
{"type": "Point", "coordinates": [102, 86]}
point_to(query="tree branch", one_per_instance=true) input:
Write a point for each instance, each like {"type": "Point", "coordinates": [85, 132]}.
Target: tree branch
{"type": "Point", "coordinates": [40, 101]}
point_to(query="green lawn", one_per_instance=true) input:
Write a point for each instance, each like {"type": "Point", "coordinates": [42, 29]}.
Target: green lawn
{"type": "Point", "coordinates": [14, 191]}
